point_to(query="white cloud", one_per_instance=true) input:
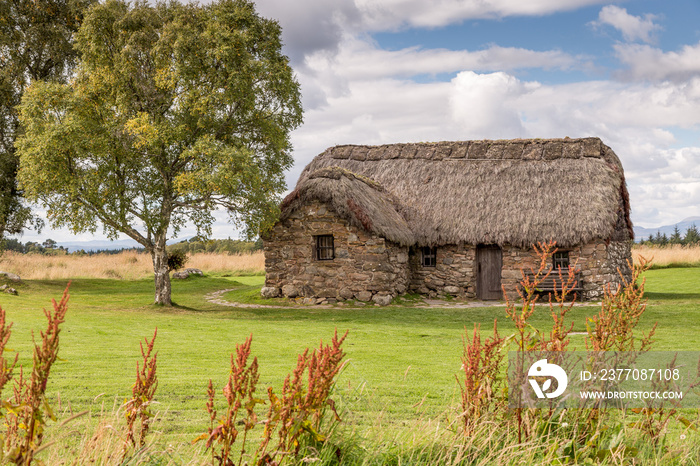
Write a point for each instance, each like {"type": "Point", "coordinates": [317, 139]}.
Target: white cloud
{"type": "Point", "coordinates": [608, 107]}
{"type": "Point", "coordinates": [375, 112]}
{"type": "Point", "coordinates": [395, 14]}
{"type": "Point", "coordinates": [632, 27]}
{"type": "Point", "coordinates": [360, 60]}
{"type": "Point", "coordinates": [645, 62]}
{"type": "Point", "coordinates": [485, 105]}
{"type": "Point", "coordinates": [671, 193]}
{"type": "Point", "coordinates": [327, 75]}
{"type": "Point", "coordinates": [309, 26]}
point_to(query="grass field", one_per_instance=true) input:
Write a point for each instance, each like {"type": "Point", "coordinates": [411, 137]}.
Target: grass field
{"type": "Point", "coordinates": [673, 255]}
{"type": "Point", "coordinates": [403, 360]}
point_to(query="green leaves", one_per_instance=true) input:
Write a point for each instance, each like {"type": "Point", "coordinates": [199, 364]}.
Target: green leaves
{"type": "Point", "coordinates": [35, 45]}
{"type": "Point", "coordinates": [175, 110]}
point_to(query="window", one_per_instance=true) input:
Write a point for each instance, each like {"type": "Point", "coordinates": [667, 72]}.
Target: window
{"type": "Point", "coordinates": [325, 250]}
{"type": "Point", "coordinates": [429, 256]}
{"type": "Point", "coordinates": [561, 260]}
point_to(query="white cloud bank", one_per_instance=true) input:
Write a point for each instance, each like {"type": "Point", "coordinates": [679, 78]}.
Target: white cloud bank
{"type": "Point", "coordinates": [634, 119]}
{"type": "Point", "coordinates": [355, 92]}
{"type": "Point", "coordinates": [310, 26]}
{"type": "Point", "coordinates": [396, 14]}
{"type": "Point", "coordinates": [644, 62]}
{"type": "Point", "coordinates": [633, 28]}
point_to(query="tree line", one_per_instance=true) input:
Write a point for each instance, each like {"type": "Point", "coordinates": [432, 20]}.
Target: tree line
{"type": "Point", "coordinates": [191, 246]}
{"type": "Point", "coordinates": [217, 246]}
{"type": "Point", "coordinates": [691, 237]}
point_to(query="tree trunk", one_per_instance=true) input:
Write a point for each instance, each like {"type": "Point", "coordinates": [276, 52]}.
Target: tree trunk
{"type": "Point", "coordinates": [162, 274]}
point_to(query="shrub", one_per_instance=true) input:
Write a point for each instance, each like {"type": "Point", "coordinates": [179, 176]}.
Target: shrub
{"type": "Point", "coordinates": [176, 259]}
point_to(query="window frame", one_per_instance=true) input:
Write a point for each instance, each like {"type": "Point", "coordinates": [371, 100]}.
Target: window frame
{"type": "Point", "coordinates": [428, 256]}
{"type": "Point", "coordinates": [321, 250]}
{"type": "Point", "coordinates": [561, 260]}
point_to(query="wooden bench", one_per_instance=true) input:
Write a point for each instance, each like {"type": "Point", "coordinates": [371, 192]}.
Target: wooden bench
{"type": "Point", "coordinates": [553, 282]}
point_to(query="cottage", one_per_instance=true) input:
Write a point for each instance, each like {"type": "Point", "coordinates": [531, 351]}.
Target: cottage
{"type": "Point", "coordinates": [458, 218]}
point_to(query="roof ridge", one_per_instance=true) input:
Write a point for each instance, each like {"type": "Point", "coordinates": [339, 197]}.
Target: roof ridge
{"type": "Point", "coordinates": [500, 149]}
{"type": "Point", "coordinates": [335, 172]}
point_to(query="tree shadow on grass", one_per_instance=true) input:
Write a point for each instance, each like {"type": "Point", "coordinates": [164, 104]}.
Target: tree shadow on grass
{"type": "Point", "coordinates": [671, 296]}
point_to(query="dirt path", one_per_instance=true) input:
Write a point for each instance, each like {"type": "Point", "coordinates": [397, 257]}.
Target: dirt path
{"type": "Point", "coordinates": [216, 297]}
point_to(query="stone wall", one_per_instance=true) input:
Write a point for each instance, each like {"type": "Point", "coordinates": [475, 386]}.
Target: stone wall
{"type": "Point", "coordinates": [370, 268]}
{"type": "Point", "coordinates": [599, 262]}
{"type": "Point", "coordinates": [366, 267]}
{"type": "Point", "coordinates": [453, 272]}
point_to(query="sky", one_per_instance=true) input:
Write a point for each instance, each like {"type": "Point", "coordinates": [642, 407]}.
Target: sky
{"type": "Point", "coordinates": [389, 71]}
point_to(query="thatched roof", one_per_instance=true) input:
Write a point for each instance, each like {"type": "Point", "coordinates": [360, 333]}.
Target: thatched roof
{"type": "Point", "coordinates": [504, 192]}
{"type": "Point", "coordinates": [358, 199]}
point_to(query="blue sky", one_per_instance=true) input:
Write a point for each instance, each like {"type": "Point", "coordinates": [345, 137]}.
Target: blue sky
{"type": "Point", "coordinates": [375, 72]}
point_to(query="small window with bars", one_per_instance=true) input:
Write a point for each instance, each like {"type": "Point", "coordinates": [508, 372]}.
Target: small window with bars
{"type": "Point", "coordinates": [325, 250]}
{"type": "Point", "coordinates": [560, 260]}
{"type": "Point", "coordinates": [429, 256]}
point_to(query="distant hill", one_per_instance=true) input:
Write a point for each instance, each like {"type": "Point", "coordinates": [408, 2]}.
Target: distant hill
{"type": "Point", "coordinates": [104, 245]}
{"type": "Point", "coordinates": [96, 245]}
{"type": "Point", "coordinates": [641, 233]}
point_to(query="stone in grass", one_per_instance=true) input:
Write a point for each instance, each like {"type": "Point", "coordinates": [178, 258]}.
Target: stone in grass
{"type": "Point", "coordinates": [382, 300]}
{"type": "Point", "coordinates": [269, 292]}
{"type": "Point", "coordinates": [11, 276]}
{"type": "Point", "coordinates": [181, 275]}
{"type": "Point", "coordinates": [8, 289]}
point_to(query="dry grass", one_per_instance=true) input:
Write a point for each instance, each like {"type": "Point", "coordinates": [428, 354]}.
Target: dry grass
{"type": "Point", "coordinates": [237, 264]}
{"type": "Point", "coordinates": [668, 255]}
{"type": "Point", "coordinates": [127, 265]}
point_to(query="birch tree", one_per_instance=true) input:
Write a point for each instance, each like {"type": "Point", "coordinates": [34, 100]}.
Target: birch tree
{"type": "Point", "coordinates": [175, 110]}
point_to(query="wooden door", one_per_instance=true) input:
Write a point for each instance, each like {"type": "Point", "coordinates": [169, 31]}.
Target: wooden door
{"type": "Point", "coordinates": [489, 262]}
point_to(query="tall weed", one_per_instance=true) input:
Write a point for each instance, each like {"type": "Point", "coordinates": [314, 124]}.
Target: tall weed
{"type": "Point", "coordinates": [239, 393]}
{"type": "Point", "coordinates": [612, 329]}
{"type": "Point", "coordinates": [294, 417]}
{"type": "Point", "coordinates": [28, 408]}
{"type": "Point", "coordinates": [302, 404]}
{"type": "Point", "coordinates": [483, 386]}
{"type": "Point", "coordinates": [138, 408]}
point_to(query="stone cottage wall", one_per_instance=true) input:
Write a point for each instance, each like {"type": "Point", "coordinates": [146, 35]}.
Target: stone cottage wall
{"type": "Point", "coordinates": [453, 272]}
{"type": "Point", "coordinates": [599, 262]}
{"type": "Point", "coordinates": [366, 267]}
